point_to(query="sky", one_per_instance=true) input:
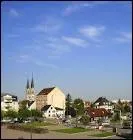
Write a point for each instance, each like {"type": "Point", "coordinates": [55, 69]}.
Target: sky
{"type": "Point", "coordinates": [84, 48]}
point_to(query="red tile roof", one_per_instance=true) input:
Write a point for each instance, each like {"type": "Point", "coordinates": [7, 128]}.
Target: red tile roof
{"type": "Point", "coordinates": [45, 91]}
{"type": "Point", "coordinates": [97, 112]}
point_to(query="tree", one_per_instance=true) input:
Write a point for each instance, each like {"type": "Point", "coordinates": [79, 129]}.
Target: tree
{"type": "Point", "coordinates": [119, 102]}
{"type": "Point", "coordinates": [2, 114]}
{"type": "Point", "coordinates": [85, 119]}
{"type": "Point", "coordinates": [68, 104]}
{"type": "Point", "coordinates": [24, 113]}
{"type": "Point", "coordinates": [36, 113]}
{"type": "Point", "coordinates": [11, 114]}
{"type": "Point", "coordinates": [79, 106]}
{"type": "Point", "coordinates": [116, 116]}
{"type": "Point", "coordinates": [126, 108]}
{"type": "Point", "coordinates": [23, 104]}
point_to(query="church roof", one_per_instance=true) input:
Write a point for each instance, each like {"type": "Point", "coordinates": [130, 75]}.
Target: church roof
{"type": "Point", "coordinates": [45, 91]}
{"type": "Point", "coordinates": [46, 107]}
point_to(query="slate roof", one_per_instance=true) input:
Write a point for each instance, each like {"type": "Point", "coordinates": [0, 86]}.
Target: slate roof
{"type": "Point", "coordinates": [57, 108]}
{"type": "Point", "coordinates": [46, 107]}
{"type": "Point", "coordinates": [45, 91]}
{"type": "Point", "coordinates": [30, 103]}
{"type": "Point", "coordinates": [101, 100]}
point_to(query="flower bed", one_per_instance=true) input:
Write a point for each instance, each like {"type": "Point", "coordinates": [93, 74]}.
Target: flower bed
{"type": "Point", "coordinates": [27, 128]}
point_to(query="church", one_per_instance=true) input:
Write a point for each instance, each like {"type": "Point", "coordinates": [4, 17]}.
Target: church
{"type": "Point", "coordinates": [30, 94]}
{"type": "Point", "coordinates": [51, 96]}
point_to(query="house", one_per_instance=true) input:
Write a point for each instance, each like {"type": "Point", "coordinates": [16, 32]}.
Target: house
{"type": "Point", "coordinates": [87, 104]}
{"type": "Point", "coordinates": [97, 113]}
{"type": "Point", "coordinates": [49, 111]}
{"type": "Point", "coordinates": [50, 96]}
{"type": "Point", "coordinates": [102, 102]}
{"type": "Point", "coordinates": [31, 105]}
{"type": "Point", "coordinates": [9, 101]}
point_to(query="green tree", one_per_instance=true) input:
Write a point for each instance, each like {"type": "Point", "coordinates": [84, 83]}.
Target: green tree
{"type": "Point", "coordinates": [85, 119]}
{"type": "Point", "coordinates": [116, 116]}
{"type": "Point", "coordinates": [23, 104]}
{"type": "Point", "coordinates": [68, 104]}
{"type": "Point", "coordinates": [11, 114]}
{"type": "Point", "coordinates": [36, 113]}
{"type": "Point", "coordinates": [126, 108]}
{"type": "Point", "coordinates": [24, 113]}
{"type": "Point", "coordinates": [79, 106]}
{"type": "Point", "coordinates": [2, 114]}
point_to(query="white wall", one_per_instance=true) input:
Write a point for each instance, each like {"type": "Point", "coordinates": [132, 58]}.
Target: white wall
{"type": "Point", "coordinates": [13, 104]}
{"type": "Point", "coordinates": [56, 98]}
{"type": "Point", "coordinates": [50, 112]}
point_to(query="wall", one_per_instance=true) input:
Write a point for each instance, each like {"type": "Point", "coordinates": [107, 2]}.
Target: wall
{"type": "Point", "coordinates": [56, 98]}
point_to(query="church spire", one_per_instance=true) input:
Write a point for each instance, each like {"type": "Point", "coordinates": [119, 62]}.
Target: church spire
{"type": "Point", "coordinates": [32, 82]}
{"type": "Point", "coordinates": [27, 86]}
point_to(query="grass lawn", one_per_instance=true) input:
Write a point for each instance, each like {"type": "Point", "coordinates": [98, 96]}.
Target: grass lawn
{"type": "Point", "coordinates": [103, 134]}
{"type": "Point", "coordinates": [71, 130]}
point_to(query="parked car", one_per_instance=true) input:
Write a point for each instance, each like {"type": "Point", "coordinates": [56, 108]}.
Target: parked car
{"type": "Point", "coordinates": [27, 121]}
{"type": "Point", "coordinates": [107, 123]}
{"type": "Point", "coordinates": [6, 120]}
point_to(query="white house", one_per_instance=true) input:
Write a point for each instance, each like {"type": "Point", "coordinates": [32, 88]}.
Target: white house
{"type": "Point", "coordinates": [31, 105]}
{"type": "Point", "coordinates": [9, 101]}
{"type": "Point", "coordinates": [49, 111]}
{"type": "Point", "coordinates": [102, 102]}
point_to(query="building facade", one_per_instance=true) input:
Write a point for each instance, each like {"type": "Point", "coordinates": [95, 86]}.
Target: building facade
{"type": "Point", "coordinates": [9, 102]}
{"type": "Point", "coordinates": [102, 102]}
{"type": "Point", "coordinates": [50, 96]}
{"type": "Point", "coordinates": [30, 91]}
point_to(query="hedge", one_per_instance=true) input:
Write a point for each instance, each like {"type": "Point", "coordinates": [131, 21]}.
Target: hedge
{"type": "Point", "coordinates": [27, 129]}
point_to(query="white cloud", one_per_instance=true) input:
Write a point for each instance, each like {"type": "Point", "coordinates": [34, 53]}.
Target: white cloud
{"type": "Point", "coordinates": [124, 37]}
{"type": "Point", "coordinates": [40, 63]}
{"type": "Point", "coordinates": [13, 13]}
{"type": "Point", "coordinates": [92, 32]}
{"type": "Point", "coordinates": [75, 41]}
{"type": "Point", "coordinates": [76, 6]}
{"type": "Point", "coordinates": [49, 25]}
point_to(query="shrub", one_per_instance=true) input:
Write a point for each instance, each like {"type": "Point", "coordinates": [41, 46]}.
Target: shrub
{"type": "Point", "coordinates": [27, 128]}
{"type": "Point", "coordinates": [85, 120]}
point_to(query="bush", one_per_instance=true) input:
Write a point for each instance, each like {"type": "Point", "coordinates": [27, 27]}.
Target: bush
{"type": "Point", "coordinates": [27, 128]}
{"type": "Point", "coordinates": [85, 120]}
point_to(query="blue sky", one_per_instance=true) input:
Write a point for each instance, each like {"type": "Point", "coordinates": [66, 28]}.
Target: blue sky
{"type": "Point", "coordinates": [84, 48]}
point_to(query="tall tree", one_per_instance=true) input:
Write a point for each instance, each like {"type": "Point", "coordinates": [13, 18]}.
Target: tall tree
{"type": "Point", "coordinates": [68, 104]}
{"type": "Point", "coordinates": [79, 106]}
{"type": "Point", "coordinates": [22, 104]}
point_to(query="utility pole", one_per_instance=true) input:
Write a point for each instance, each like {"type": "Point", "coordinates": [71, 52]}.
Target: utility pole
{"type": "Point", "coordinates": [31, 126]}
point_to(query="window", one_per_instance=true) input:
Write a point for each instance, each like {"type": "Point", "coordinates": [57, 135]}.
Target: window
{"type": "Point", "coordinates": [49, 111]}
{"type": "Point", "coordinates": [49, 115]}
{"type": "Point", "coordinates": [53, 111]}
{"type": "Point", "coordinates": [51, 107]}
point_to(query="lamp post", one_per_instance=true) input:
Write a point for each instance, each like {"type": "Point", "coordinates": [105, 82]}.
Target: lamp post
{"type": "Point", "coordinates": [31, 127]}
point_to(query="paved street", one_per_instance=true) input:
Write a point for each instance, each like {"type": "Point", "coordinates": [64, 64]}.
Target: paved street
{"type": "Point", "coordinates": [14, 134]}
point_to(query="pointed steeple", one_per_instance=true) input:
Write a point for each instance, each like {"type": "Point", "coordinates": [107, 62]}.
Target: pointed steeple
{"type": "Point", "coordinates": [32, 82]}
{"type": "Point", "coordinates": [27, 86]}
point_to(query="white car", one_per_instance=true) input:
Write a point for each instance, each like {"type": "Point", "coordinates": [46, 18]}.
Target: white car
{"type": "Point", "coordinates": [105, 123]}
{"type": "Point", "coordinates": [27, 121]}
{"type": "Point", "coordinates": [7, 120]}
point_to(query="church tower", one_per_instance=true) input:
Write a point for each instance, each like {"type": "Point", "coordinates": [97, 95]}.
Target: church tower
{"type": "Point", "coordinates": [30, 91]}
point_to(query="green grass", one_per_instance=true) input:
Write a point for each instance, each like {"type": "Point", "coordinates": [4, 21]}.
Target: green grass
{"type": "Point", "coordinates": [103, 134]}
{"type": "Point", "coordinates": [71, 130]}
